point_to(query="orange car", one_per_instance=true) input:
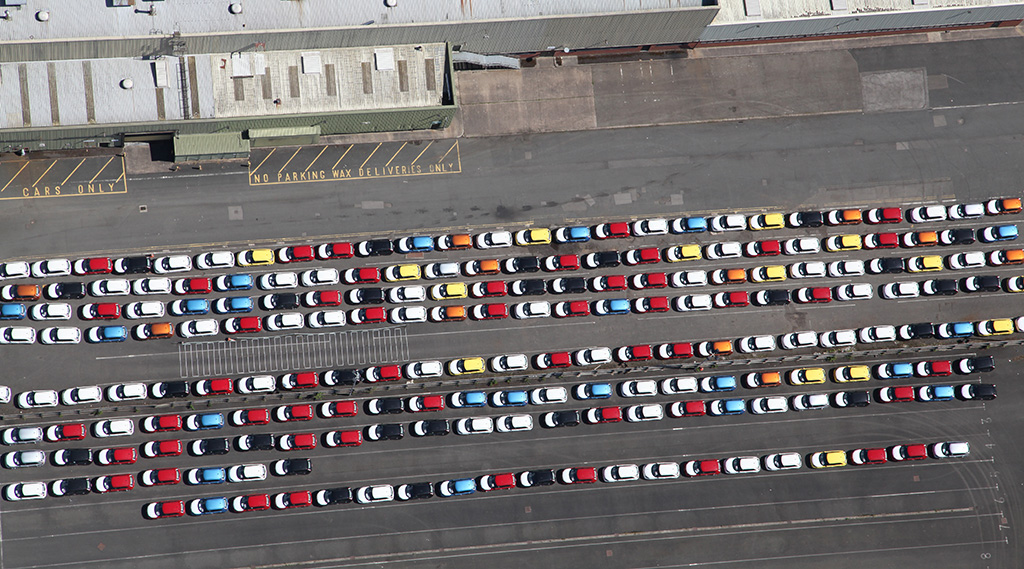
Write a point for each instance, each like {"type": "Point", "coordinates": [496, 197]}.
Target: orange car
{"type": "Point", "coordinates": [20, 292]}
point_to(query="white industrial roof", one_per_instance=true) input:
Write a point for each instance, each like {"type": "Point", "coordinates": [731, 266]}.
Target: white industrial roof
{"type": "Point", "coordinates": [736, 11]}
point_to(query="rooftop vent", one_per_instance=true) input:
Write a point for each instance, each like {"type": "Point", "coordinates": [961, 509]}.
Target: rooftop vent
{"type": "Point", "coordinates": [127, 83]}
{"type": "Point", "coordinates": [235, 8]}
{"type": "Point", "coordinates": [43, 16]}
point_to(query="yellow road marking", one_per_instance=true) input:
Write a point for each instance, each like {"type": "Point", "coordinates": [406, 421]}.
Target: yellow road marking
{"type": "Point", "coordinates": [101, 170]}
{"type": "Point", "coordinates": [370, 156]}
{"type": "Point", "coordinates": [13, 177]}
{"type": "Point", "coordinates": [342, 156]}
{"type": "Point", "coordinates": [289, 159]}
{"type": "Point", "coordinates": [317, 158]}
{"type": "Point", "coordinates": [272, 151]}
{"type": "Point", "coordinates": [73, 172]}
{"type": "Point", "coordinates": [396, 154]}
{"type": "Point", "coordinates": [449, 152]}
{"type": "Point", "coordinates": [44, 173]}
{"type": "Point", "coordinates": [421, 153]}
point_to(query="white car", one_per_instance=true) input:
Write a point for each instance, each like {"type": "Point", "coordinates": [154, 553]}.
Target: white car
{"type": "Point", "coordinates": [17, 335]}
{"type": "Point", "coordinates": [144, 309]}
{"type": "Point", "coordinates": [801, 246]}
{"type": "Point", "coordinates": [21, 435]}
{"type": "Point", "coordinates": [113, 428]}
{"type": "Point", "coordinates": [548, 395]}
{"type": "Point", "coordinates": [172, 264]}
{"type": "Point", "coordinates": [783, 461]}
{"type": "Point", "coordinates": [51, 268]}
{"type": "Point", "coordinates": [770, 404]}
{"type": "Point", "coordinates": [950, 449]}
{"type": "Point", "coordinates": [256, 384]}
{"type": "Point", "coordinates": [809, 401]}
{"type": "Point", "coordinates": [408, 314]}
{"type": "Point", "coordinates": [741, 465]}
{"type": "Point", "coordinates": [60, 335]}
{"type": "Point", "coordinates": [440, 270]}
{"type": "Point", "coordinates": [688, 278]}
{"type": "Point", "coordinates": [402, 294]}
{"type": "Point", "coordinates": [906, 289]}
{"type": "Point", "coordinates": [25, 491]}
{"type": "Point", "coordinates": [838, 338]}
{"type": "Point", "coordinates": [36, 399]}
{"type": "Point", "coordinates": [807, 270]}
{"type": "Point", "coordinates": [846, 269]}
{"type": "Point", "coordinates": [24, 459]}
{"type": "Point", "coordinates": [215, 260]}
{"type": "Point", "coordinates": [798, 340]}
{"type": "Point", "coordinates": [638, 388]}
{"type": "Point", "coordinates": [326, 318]}
{"type": "Point", "coordinates": [968, 260]}
{"type": "Point", "coordinates": [110, 287]}
{"type": "Point", "coordinates": [533, 309]}
{"type": "Point", "coordinates": [493, 240]}
{"type": "Point", "coordinates": [374, 494]}
{"type": "Point", "coordinates": [50, 311]}
{"type": "Point", "coordinates": [873, 334]}
{"type": "Point", "coordinates": [278, 281]}
{"type": "Point", "coordinates": [752, 344]}
{"type": "Point", "coordinates": [592, 356]}
{"type": "Point", "coordinates": [620, 473]}
{"type": "Point", "coordinates": [857, 291]}
{"type": "Point", "coordinates": [126, 392]}
{"type": "Point", "coordinates": [15, 270]}
{"type": "Point", "coordinates": [81, 395]}
{"type": "Point", "coordinates": [283, 321]}
{"type": "Point", "coordinates": [692, 302]}
{"type": "Point", "coordinates": [512, 423]}
{"type": "Point", "coordinates": [648, 412]}
{"type": "Point", "coordinates": [474, 426]}
{"type": "Point", "coordinates": [645, 227]}
{"type": "Point", "coordinates": [660, 471]}
{"type": "Point", "coordinates": [509, 362]}
{"type": "Point", "coordinates": [153, 285]}
{"type": "Point", "coordinates": [966, 211]}
{"type": "Point", "coordinates": [733, 222]}
{"type": "Point", "coordinates": [677, 385]}
{"type": "Point", "coordinates": [202, 327]}
{"type": "Point", "coordinates": [723, 250]}
{"type": "Point", "coordinates": [927, 214]}
{"type": "Point", "coordinates": [420, 370]}
{"type": "Point", "coordinates": [247, 473]}
{"type": "Point", "coordinates": [320, 277]}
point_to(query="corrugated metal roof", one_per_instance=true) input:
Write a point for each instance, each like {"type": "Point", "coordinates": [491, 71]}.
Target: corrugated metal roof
{"type": "Point", "coordinates": [209, 144]}
{"type": "Point", "coordinates": [284, 131]}
{"type": "Point", "coordinates": [736, 11]}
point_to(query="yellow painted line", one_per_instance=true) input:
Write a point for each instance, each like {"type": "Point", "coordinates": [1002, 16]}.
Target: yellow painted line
{"type": "Point", "coordinates": [315, 159]}
{"type": "Point", "coordinates": [289, 160]}
{"type": "Point", "coordinates": [439, 160]}
{"type": "Point", "coordinates": [421, 152]}
{"type": "Point", "coordinates": [13, 177]}
{"type": "Point", "coordinates": [267, 157]}
{"type": "Point", "coordinates": [44, 173]}
{"type": "Point", "coordinates": [370, 156]}
{"type": "Point", "coordinates": [75, 170]}
{"type": "Point", "coordinates": [396, 154]}
{"type": "Point", "coordinates": [342, 156]}
{"type": "Point", "coordinates": [124, 174]}
{"type": "Point", "coordinates": [101, 169]}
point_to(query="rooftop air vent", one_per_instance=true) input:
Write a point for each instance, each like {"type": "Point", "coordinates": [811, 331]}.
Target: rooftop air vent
{"type": "Point", "coordinates": [235, 8]}
{"type": "Point", "coordinates": [127, 83]}
{"type": "Point", "coordinates": [43, 16]}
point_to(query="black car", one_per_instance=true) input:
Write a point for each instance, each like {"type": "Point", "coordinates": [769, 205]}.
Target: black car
{"type": "Point", "coordinates": [207, 447]}
{"type": "Point", "coordinates": [774, 297]}
{"type": "Point", "coordinates": [415, 491]}
{"type": "Point", "coordinates": [806, 219]}
{"type": "Point", "coordinates": [601, 259]}
{"type": "Point", "coordinates": [982, 391]}
{"type": "Point", "coordinates": [918, 330]}
{"type": "Point", "coordinates": [72, 457]}
{"type": "Point", "coordinates": [433, 427]}
{"type": "Point", "coordinates": [983, 283]}
{"type": "Point", "coordinates": [972, 365]}
{"type": "Point", "coordinates": [385, 405]}
{"type": "Point", "coordinates": [851, 399]}
{"type": "Point", "coordinates": [385, 432]}
{"type": "Point", "coordinates": [945, 287]}
{"type": "Point", "coordinates": [70, 487]}
{"type": "Point", "coordinates": [255, 442]}
{"type": "Point", "coordinates": [560, 419]}
{"type": "Point", "coordinates": [530, 478]}
{"type": "Point", "coordinates": [134, 265]}
{"type": "Point", "coordinates": [365, 296]}
{"type": "Point", "coordinates": [527, 287]}
{"type": "Point", "coordinates": [342, 377]}
{"type": "Point", "coordinates": [290, 466]}
{"type": "Point", "coordinates": [961, 236]}
{"type": "Point", "coordinates": [522, 265]}
{"type": "Point", "coordinates": [568, 285]}
{"type": "Point", "coordinates": [332, 496]}
{"type": "Point", "coordinates": [65, 291]}
{"type": "Point", "coordinates": [885, 265]}
{"type": "Point", "coordinates": [280, 301]}
{"type": "Point", "coordinates": [375, 248]}
{"type": "Point", "coordinates": [169, 389]}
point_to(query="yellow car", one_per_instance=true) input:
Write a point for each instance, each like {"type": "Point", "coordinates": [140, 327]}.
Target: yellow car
{"type": "Point", "coordinates": [807, 375]}
{"type": "Point", "coordinates": [843, 374]}
{"type": "Point", "coordinates": [682, 253]}
{"type": "Point", "coordinates": [828, 459]}
{"type": "Point", "coordinates": [768, 273]}
{"type": "Point", "coordinates": [537, 236]}
{"type": "Point", "coordinates": [445, 291]}
{"type": "Point", "coordinates": [465, 366]}
{"type": "Point", "coordinates": [401, 273]}
{"type": "Point", "coordinates": [251, 257]}
{"type": "Point", "coordinates": [766, 221]}
{"type": "Point", "coordinates": [996, 327]}
{"type": "Point", "coordinates": [924, 264]}
{"type": "Point", "coordinates": [843, 243]}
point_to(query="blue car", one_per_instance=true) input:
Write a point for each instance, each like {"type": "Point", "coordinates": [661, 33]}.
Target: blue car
{"type": "Point", "coordinates": [592, 391]}
{"type": "Point", "coordinates": [726, 407]}
{"type": "Point", "coordinates": [417, 244]}
{"type": "Point", "coordinates": [204, 421]}
{"type": "Point", "coordinates": [509, 399]}
{"type": "Point", "coordinates": [955, 330]}
{"type": "Point", "coordinates": [718, 383]}
{"type": "Point", "coordinates": [233, 304]}
{"type": "Point", "coordinates": [689, 225]}
{"type": "Point", "coordinates": [468, 399]}
{"type": "Point", "coordinates": [998, 233]}
{"type": "Point", "coordinates": [100, 334]}
{"type": "Point", "coordinates": [189, 307]}
{"type": "Point", "coordinates": [459, 487]}
{"type": "Point", "coordinates": [577, 234]}
{"type": "Point", "coordinates": [210, 475]}
{"type": "Point", "coordinates": [12, 311]}
{"type": "Point", "coordinates": [611, 306]}
{"type": "Point", "coordinates": [935, 393]}
{"type": "Point", "coordinates": [203, 506]}
{"type": "Point", "coordinates": [895, 370]}
{"type": "Point", "coordinates": [233, 282]}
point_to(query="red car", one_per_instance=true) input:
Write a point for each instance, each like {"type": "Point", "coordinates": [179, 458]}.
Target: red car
{"type": "Point", "coordinates": [650, 304]}
{"type": "Point", "coordinates": [638, 353]}
{"type": "Point", "coordinates": [302, 380]}
{"type": "Point", "coordinates": [193, 286]}
{"type": "Point", "coordinates": [763, 248]}
{"type": "Point", "coordinates": [161, 423]}
{"type": "Point", "coordinates": [101, 311]}
{"type": "Point", "coordinates": [488, 289]}
{"type": "Point", "coordinates": [936, 368]}
{"type": "Point", "coordinates": [571, 308]}
{"type": "Point", "coordinates": [116, 456]}
{"type": "Point", "coordinates": [333, 409]}
{"type": "Point", "coordinates": [296, 254]}
{"type": "Point", "coordinates": [577, 475]}
{"type": "Point", "coordinates": [732, 299]}
{"type": "Point", "coordinates": [649, 280]}
{"type": "Point", "coordinates": [161, 477]}
{"type": "Point", "coordinates": [93, 266]}
{"type": "Point", "coordinates": [158, 449]}
{"type": "Point", "coordinates": [561, 263]}
{"type": "Point", "coordinates": [812, 295]}
{"type": "Point", "coordinates": [554, 359]}
{"type": "Point", "coordinates": [248, 417]}
{"type": "Point", "coordinates": [383, 373]}
{"type": "Point", "coordinates": [503, 481]}
{"type": "Point", "coordinates": [617, 230]}
{"type": "Point", "coordinates": [334, 251]}
{"type": "Point", "coordinates": [372, 315]}
{"type": "Point", "coordinates": [172, 509]}
{"type": "Point", "coordinates": [365, 275]}
{"type": "Point", "coordinates": [603, 415]}
{"type": "Point", "coordinates": [674, 351]}
{"type": "Point", "coordinates": [319, 298]}
{"type": "Point", "coordinates": [642, 256]}
{"type": "Point", "coordinates": [909, 452]}
{"type": "Point", "coordinates": [287, 500]}
{"type": "Point", "coordinates": [489, 311]}
{"type": "Point", "coordinates": [243, 325]}
{"type": "Point", "coordinates": [883, 215]}
{"type": "Point", "coordinates": [250, 503]}
{"type": "Point", "coordinates": [687, 409]}
{"type": "Point", "coordinates": [868, 456]}
{"type": "Point", "coordinates": [298, 441]}
{"type": "Point", "coordinates": [217, 386]}
{"type": "Point", "coordinates": [900, 394]}
{"type": "Point", "coordinates": [881, 241]}
{"type": "Point", "coordinates": [702, 468]}
{"type": "Point", "coordinates": [114, 483]}
{"type": "Point", "coordinates": [608, 283]}
{"type": "Point", "coordinates": [351, 438]}
{"type": "Point", "coordinates": [425, 403]}
{"type": "Point", "coordinates": [70, 432]}
{"type": "Point", "coordinates": [288, 413]}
